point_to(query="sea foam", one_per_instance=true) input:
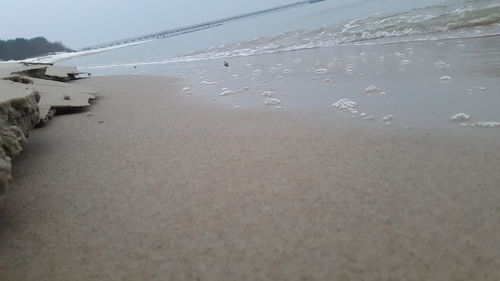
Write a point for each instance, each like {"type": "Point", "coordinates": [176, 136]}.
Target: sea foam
{"type": "Point", "coordinates": [488, 124]}
{"type": "Point", "coordinates": [460, 117]}
{"type": "Point", "coordinates": [346, 105]}
{"type": "Point", "coordinates": [271, 101]}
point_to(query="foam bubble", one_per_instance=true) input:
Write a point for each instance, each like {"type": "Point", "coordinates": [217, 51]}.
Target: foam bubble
{"type": "Point", "coordinates": [321, 71]}
{"type": "Point", "coordinates": [372, 89]}
{"type": "Point", "coordinates": [445, 78]}
{"type": "Point", "coordinates": [441, 65]}
{"type": "Point", "coordinates": [346, 105]}
{"type": "Point", "coordinates": [267, 94]}
{"type": "Point", "coordinates": [388, 118]}
{"type": "Point", "coordinates": [227, 93]}
{"type": "Point", "coordinates": [488, 124]}
{"type": "Point", "coordinates": [186, 90]}
{"type": "Point", "coordinates": [459, 117]}
{"type": "Point", "coordinates": [271, 101]}
{"type": "Point", "coordinates": [209, 83]}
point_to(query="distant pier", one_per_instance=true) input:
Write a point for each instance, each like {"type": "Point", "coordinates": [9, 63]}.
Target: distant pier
{"type": "Point", "coordinates": [201, 26]}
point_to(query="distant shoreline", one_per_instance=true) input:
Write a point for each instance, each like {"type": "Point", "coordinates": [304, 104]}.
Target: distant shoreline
{"type": "Point", "coordinates": [21, 48]}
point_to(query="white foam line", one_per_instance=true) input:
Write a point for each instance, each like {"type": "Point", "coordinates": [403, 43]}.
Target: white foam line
{"type": "Point", "coordinates": [216, 57]}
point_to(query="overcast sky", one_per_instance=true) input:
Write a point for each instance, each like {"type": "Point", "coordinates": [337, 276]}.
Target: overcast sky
{"type": "Point", "coordinates": [88, 22]}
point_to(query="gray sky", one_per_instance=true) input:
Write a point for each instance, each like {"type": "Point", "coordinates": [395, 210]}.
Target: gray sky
{"type": "Point", "coordinates": [82, 23]}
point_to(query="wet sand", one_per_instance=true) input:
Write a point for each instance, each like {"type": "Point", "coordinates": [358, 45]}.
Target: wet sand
{"type": "Point", "coordinates": [421, 84]}
{"type": "Point", "coordinates": [149, 185]}
{"type": "Point", "coordinates": [156, 181]}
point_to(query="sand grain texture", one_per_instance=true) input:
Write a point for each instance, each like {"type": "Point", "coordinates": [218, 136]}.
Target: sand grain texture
{"type": "Point", "coordinates": [170, 189]}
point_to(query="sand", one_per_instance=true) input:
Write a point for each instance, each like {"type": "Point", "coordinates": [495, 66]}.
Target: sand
{"type": "Point", "coordinates": [26, 101]}
{"type": "Point", "coordinates": [150, 184]}
{"type": "Point", "coordinates": [19, 112]}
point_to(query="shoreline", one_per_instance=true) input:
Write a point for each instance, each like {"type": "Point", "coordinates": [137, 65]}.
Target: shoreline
{"type": "Point", "coordinates": [165, 178]}
{"type": "Point", "coordinates": [420, 85]}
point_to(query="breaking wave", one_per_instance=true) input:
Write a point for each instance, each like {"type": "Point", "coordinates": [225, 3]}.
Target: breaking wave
{"type": "Point", "coordinates": [457, 20]}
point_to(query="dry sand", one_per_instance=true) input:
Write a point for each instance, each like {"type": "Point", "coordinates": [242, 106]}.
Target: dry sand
{"type": "Point", "coordinates": [149, 185]}
{"type": "Point", "coordinates": [26, 101]}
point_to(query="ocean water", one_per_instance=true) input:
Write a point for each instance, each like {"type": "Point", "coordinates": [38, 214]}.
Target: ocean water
{"type": "Point", "coordinates": [415, 64]}
{"type": "Point", "coordinates": [324, 24]}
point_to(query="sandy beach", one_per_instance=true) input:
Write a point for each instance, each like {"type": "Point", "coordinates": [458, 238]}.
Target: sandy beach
{"type": "Point", "coordinates": [283, 140]}
{"type": "Point", "coordinates": [154, 183]}
{"type": "Point", "coordinates": [147, 185]}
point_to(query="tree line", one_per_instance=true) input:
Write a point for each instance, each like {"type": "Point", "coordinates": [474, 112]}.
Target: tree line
{"type": "Point", "coordinates": [21, 48]}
